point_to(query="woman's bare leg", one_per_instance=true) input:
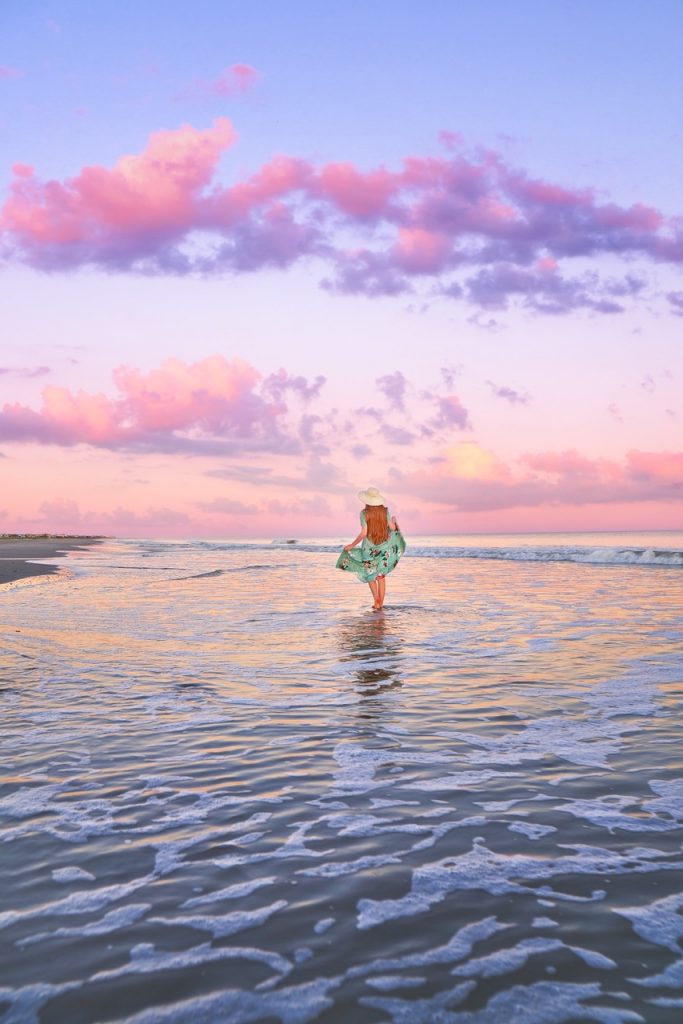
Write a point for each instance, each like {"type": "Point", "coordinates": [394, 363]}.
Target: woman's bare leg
{"type": "Point", "coordinates": [375, 592]}
{"type": "Point", "coordinates": [381, 589]}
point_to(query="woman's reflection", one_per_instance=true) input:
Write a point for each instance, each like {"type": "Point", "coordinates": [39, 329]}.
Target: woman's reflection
{"type": "Point", "coordinates": [373, 647]}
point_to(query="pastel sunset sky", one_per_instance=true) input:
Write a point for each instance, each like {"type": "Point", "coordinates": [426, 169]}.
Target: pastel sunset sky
{"type": "Point", "coordinates": [258, 256]}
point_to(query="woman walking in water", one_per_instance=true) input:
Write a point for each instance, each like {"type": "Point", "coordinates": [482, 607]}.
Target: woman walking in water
{"type": "Point", "coordinates": [382, 546]}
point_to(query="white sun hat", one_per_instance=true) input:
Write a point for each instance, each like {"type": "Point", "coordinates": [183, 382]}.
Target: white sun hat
{"type": "Point", "coordinates": [371, 497]}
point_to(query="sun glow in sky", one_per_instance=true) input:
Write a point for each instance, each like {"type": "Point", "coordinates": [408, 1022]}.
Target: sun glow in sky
{"type": "Point", "coordinates": [255, 259]}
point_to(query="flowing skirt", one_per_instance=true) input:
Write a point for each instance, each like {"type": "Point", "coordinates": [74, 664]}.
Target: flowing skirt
{"type": "Point", "coordinates": [373, 560]}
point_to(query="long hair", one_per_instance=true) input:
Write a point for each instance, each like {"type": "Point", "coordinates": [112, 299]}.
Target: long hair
{"type": "Point", "coordinates": [377, 523]}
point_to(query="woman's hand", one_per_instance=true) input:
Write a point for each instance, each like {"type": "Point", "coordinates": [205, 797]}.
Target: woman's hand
{"type": "Point", "coordinates": [347, 547]}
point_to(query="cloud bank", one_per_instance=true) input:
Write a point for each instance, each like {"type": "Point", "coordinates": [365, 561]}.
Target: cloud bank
{"type": "Point", "coordinates": [273, 434]}
{"type": "Point", "coordinates": [469, 227]}
{"type": "Point", "coordinates": [468, 478]}
{"type": "Point", "coordinates": [213, 407]}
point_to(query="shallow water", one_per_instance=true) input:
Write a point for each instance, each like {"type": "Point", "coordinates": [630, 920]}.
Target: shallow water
{"type": "Point", "coordinates": [233, 793]}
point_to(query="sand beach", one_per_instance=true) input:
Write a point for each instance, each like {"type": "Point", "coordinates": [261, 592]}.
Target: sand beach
{"type": "Point", "coordinates": [19, 551]}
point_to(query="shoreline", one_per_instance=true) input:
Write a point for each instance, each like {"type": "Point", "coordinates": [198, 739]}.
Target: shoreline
{"type": "Point", "coordinates": [18, 550]}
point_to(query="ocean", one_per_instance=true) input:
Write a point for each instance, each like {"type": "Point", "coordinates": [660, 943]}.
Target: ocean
{"type": "Point", "coordinates": [233, 793]}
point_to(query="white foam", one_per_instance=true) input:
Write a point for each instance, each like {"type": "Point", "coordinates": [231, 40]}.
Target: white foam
{"type": "Point", "coordinates": [323, 924]}
{"type": "Point", "coordinates": [30, 800]}
{"type": "Point", "coordinates": [437, 831]}
{"type": "Point", "coordinates": [77, 902]}
{"type": "Point", "coordinates": [543, 922]}
{"type": "Point", "coordinates": [457, 780]}
{"type": "Point", "coordinates": [422, 1011]}
{"type": "Point", "coordinates": [27, 1002]}
{"type": "Point", "coordinates": [170, 852]}
{"type": "Point", "coordinates": [457, 948]}
{"type": "Point", "coordinates": [497, 805]}
{"type": "Point", "coordinates": [670, 977]}
{"type": "Point", "coordinates": [377, 802]}
{"type": "Point", "coordinates": [503, 961]}
{"type": "Point", "coordinates": [72, 874]}
{"type": "Point", "coordinates": [629, 695]}
{"type": "Point", "coordinates": [248, 839]}
{"type": "Point", "coordinates": [221, 925]}
{"type": "Point", "coordinates": [358, 765]}
{"type": "Point", "coordinates": [295, 1004]}
{"type": "Point", "coordinates": [585, 743]}
{"type": "Point", "coordinates": [531, 830]}
{"type": "Point", "coordinates": [497, 873]}
{"type": "Point", "coordinates": [659, 922]}
{"type": "Point", "coordinates": [606, 812]}
{"type": "Point", "coordinates": [145, 959]}
{"type": "Point", "coordinates": [71, 821]}
{"type": "Point", "coordinates": [546, 1002]}
{"type": "Point", "coordinates": [593, 959]}
{"type": "Point", "coordinates": [112, 921]}
{"type": "Point", "coordinates": [359, 824]}
{"type": "Point", "coordinates": [386, 982]}
{"type": "Point", "coordinates": [207, 804]}
{"type": "Point", "coordinates": [335, 869]}
{"type": "Point", "coordinates": [230, 892]}
{"type": "Point", "coordinates": [669, 799]}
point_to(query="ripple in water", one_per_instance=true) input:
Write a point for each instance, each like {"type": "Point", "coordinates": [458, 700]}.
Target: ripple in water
{"type": "Point", "coordinates": [231, 792]}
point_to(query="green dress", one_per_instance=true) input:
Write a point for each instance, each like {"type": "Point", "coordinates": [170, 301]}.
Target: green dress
{"type": "Point", "coordinates": [373, 560]}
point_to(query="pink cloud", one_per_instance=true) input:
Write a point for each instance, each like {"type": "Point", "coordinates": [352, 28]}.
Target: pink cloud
{"type": "Point", "coordinates": [480, 230]}
{"type": "Point", "coordinates": [419, 251]}
{"type": "Point", "coordinates": [428, 415]}
{"type": "Point", "coordinates": [65, 515]}
{"type": "Point", "coordinates": [8, 72]}
{"type": "Point", "coordinates": [212, 406]}
{"type": "Point", "coordinates": [354, 192]}
{"type": "Point", "coordinates": [543, 290]}
{"type": "Point", "coordinates": [277, 179]}
{"type": "Point", "coordinates": [278, 384]}
{"type": "Point", "coordinates": [451, 413]}
{"type": "Point", "coordinates": [471, 479]}
{"type": "Point", "coordinates": [508, 394]}
{"type": "Point", "coordinates": [143, 201]}
{"type": "Point", "coordinates": [228, 507]}
{"type": "Point", "coordinates": [238, 78]}
{"type": "Point", "coordinates": [232, 81]}
{"type": "Point", "coordinates": [662, 467]}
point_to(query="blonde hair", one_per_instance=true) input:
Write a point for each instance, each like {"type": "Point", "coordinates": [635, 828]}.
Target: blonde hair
{"type": "Point", "coordinates": [376, 518]}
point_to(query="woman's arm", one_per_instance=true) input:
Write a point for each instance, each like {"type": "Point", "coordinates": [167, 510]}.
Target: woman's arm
{"type": "Point", "coordinates": [363, 533]}
{"type": "Point", "coordinates": [393, 525]}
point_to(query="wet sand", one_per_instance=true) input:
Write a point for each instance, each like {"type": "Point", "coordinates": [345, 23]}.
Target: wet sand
{"type": "Point", "coordinates": [232, 797]}
{"type": "Point", "coordinates": [16, 552]}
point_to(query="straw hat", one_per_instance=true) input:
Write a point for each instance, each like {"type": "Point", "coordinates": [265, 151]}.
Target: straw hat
{"type": "Point", "coordinates": [371, 497]}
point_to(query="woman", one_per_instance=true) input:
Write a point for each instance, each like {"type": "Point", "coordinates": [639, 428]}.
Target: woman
{"type": "Point", "coordinates": [382, 546]}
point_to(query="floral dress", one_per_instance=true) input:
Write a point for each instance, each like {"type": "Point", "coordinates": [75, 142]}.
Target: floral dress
{"type": "Point", "coordinates": [373, 560]}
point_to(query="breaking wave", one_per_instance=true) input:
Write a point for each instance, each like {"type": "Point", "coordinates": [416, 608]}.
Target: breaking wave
{"type": "Point", "coordinates": [586, 555]}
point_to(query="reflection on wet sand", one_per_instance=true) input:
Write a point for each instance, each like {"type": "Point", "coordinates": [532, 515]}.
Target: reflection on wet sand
{"type": "Point", "coordinates": [373, 647]}
{"type": "Point", "coordinates": [223, 803]}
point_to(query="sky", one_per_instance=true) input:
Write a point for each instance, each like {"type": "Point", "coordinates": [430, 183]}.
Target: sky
{"type": "Point", "coordinates": [255, 258]}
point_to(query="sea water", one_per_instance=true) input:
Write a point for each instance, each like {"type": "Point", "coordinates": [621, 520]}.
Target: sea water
{"type": "Point", "coordinates": [232, 792]}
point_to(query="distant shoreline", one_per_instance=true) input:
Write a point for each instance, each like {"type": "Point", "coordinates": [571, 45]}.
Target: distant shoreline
{"type": "Point", "coordinates": [17, 550]}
